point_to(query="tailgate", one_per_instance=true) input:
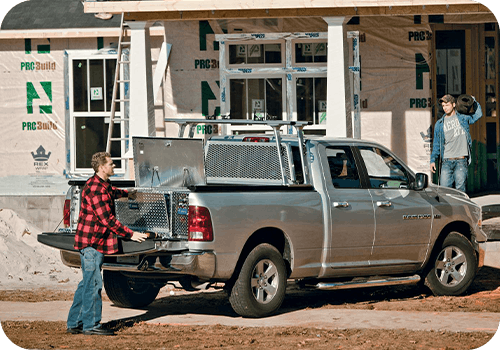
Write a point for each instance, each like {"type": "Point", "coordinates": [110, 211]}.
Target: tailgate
{"type": "Point", "coordinates": [65, 241]}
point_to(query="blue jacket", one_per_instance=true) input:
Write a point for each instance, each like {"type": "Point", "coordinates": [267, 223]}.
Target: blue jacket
{"type": "Point", "coordinates": [464, 120]}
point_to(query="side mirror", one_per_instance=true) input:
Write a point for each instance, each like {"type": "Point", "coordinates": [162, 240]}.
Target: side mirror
{"type": "Point", "coordinates": [421, 181]}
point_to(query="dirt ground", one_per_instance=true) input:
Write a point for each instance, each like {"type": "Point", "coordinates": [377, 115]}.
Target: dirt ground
{"type": "Point", "coordinates": [483, 296]}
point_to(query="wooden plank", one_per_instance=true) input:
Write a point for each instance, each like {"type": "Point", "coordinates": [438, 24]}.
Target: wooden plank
{"type": "Point", "coordinates": [221, 5]}
{"type": "Point", "coordinates": [307, 12]}
{"type": "Point", "coordinates": [69, 33]}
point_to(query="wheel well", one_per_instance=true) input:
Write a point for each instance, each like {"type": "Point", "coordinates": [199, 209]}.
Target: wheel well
{"type": "Point", "coordinates": [270, 235]}
{"type": "Point", "coordinates": [456, 226]}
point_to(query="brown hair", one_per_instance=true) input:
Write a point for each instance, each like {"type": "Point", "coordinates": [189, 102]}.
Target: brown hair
{"type": "Point", "coordinates": [99, 158]}
{"type": "Point", "coordinates": [447, 98]}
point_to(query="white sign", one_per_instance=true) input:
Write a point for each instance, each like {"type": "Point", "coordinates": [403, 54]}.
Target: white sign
{"type": "Point", "coordinates": [307, 49]}
{"type": "Point", "coordinates": [258, 105]}
{"type": "Point", "coordinates": [255, 51]}
{"type": "Point", "coordinates": [241, 51]}
{"type": "Point", "coordinates": [258, 109]}
{"type": "Point", "coordinates": [322, 112]}
{"type": "Point", "coordinates": [320, 49]}
{"type": "Point", "coordinates": [96, 93]}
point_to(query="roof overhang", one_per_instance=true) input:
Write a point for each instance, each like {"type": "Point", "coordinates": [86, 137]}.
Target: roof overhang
{"type": "Point", "coordinates": [175, 10]}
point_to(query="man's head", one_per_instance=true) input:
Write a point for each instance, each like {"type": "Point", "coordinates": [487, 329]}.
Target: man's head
{"type": "Point", "coordinates": [448, 104]}
{"type": "Point", "coordinates": [103, 164]}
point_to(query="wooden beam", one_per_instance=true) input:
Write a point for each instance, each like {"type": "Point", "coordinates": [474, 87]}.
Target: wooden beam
{"type": "Point", "coordinates": [69, 33]}
{"type": "Point", "coordinates": [169, 10]}
{"type": "Point", "coordinates": [233, 9]}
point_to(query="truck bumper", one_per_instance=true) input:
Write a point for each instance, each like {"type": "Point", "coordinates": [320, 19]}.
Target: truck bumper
{"type": "Point", "coordinates": [199, 264]}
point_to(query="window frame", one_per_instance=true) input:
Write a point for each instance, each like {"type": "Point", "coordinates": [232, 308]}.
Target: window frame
{"type": "Point", "coordinates": [307, 41]}
{"type": "Point", "coordinates": [409, 173]}
{"type": "Point", "coordinates": [88, 55]}
{"type": "Point", "coordinates": [288, 68]}
{"type": "Point", "coordinates": [362, 180]}
{"type": "Point", "coordinates": [294, 115]}
{"type": "Point", "coordinates": [256, 65]}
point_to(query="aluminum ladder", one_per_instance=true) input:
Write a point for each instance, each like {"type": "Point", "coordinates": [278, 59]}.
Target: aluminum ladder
{"type": "Point", "coordinates": [117, 84]}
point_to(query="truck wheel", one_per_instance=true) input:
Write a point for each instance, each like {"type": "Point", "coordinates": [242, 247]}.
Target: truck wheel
{"type": "Point", "coordinates": [128, 292]}
{"type": "Point", "coordinates": [260, 287]}
{"type": "Point", "coordinates": [453, 268]}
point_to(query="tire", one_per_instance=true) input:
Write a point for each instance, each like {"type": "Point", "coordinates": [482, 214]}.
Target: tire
{"type": "Point", "coordinates": [453, 267]}
{"type": "Point", "coordinates": [128, 292]}
{"type": "Point", "coordinates": [261, 284]}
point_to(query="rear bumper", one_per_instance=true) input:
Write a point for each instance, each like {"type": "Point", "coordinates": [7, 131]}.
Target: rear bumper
{"type": "Point", "coordinates": [199, 264]}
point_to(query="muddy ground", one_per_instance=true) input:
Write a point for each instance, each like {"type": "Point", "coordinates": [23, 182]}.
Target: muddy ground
{"type": "Point", "coordinates": [483, 296]}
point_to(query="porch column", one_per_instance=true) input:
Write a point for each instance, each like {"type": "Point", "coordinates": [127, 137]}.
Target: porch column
{"type": "Point", "coordinates": [142, 117]}
{"type": "Point", "coordinates": [336, 106]}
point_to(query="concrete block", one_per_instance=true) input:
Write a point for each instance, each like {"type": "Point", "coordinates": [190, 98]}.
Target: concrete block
{"type": "Point", "coordinates": [491, 254]}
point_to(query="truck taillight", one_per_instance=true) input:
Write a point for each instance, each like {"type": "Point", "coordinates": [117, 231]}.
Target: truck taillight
{"type": "Point", "coordinates": [200, 224]}
{"type": "Point", "coordinates": [255, 139]}
{"type": "Point", "coordinates": [66, 213]}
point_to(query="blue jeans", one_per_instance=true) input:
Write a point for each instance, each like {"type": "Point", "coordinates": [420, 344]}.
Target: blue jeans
{"type": "Point", "coordinates": [454, 171]}
{"type": "Point", "coordinates": [86, 310]}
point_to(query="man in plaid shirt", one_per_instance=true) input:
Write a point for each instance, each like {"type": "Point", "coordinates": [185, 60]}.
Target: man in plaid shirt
{"type": "Point", "coordinates": [96, 235]}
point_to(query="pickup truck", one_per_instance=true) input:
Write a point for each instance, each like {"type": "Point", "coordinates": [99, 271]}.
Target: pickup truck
{"type": "Point", "coordinates": [321, 213]}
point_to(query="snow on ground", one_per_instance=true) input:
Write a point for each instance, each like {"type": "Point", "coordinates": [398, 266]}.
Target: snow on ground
{"type": "Point", "coordinates": [26, 263]}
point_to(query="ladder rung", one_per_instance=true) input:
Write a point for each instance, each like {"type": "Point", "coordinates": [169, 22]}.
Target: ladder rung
{"type": "Point", "coordinates": [125, 43]}
{"type": "Point", "coordinates": [119, 158]}
{"type": "Point", "coordinates": [124, 62]}
{"type": "Point", "coordinates": [123, 81]}
{"type": "Point", "coordinates": [119, 138]}
{"type": "Point", "coordinates": [120, 119]}
{"type": "Point", "coordinates": [122, 100]}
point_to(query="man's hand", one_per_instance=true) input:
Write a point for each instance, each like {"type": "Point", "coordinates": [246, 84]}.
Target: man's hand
{"type": "Point", "coordinates": [433, 167]}
{"type": "Point", "coordinates": [139, 236]}
{"type": "Point", "coordinates": [132, 194]}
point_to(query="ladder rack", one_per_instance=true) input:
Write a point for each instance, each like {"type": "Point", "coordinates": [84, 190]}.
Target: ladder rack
{"type": "Point", "coordinates": [274, 124]}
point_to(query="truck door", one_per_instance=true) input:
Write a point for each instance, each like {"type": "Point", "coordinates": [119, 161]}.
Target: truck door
{"type": "Point", "coordinates": [403, 217]}
{"type": "Point", "coordinates": [351, 209]}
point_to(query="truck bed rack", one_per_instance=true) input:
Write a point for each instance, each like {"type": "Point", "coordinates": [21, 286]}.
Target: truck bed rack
{"type": "Point", "coordinates": [274, 124]}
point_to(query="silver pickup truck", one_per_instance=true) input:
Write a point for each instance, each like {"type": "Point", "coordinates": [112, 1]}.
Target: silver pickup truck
{"type": "Point", "coordinates": [321, 213]}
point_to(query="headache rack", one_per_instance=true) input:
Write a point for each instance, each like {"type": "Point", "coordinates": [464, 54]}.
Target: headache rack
{"type": "Point", "coordinates": [285, 176]}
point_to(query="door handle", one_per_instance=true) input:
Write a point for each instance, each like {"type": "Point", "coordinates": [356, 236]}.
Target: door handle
{"type": "Point", "coordinates": [340, 204]}
{"type": "Point", "coordinates": [384, 203]}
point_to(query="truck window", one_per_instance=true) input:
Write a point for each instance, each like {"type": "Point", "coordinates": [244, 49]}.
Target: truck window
{"type": "Point", "coordinates": [342, 167]}
{"type": "Point", "coordinates": [297, 164]}
{"type": "Point", "coordinates": [383, 170]}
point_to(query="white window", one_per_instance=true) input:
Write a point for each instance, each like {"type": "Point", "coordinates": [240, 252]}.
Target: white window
{"type": "Point", "coordinates": [278, 76]}
{"type": "Point", "coordinates": [310, 99]}
{"type": "Point", "coordinates": [256, 54]}
{"type": "Point", "coordinates": [313, 52]}
{"type": "Point", "coordinates": [91, 78]}
{"type": "Point", "coordinates": [257, 98]}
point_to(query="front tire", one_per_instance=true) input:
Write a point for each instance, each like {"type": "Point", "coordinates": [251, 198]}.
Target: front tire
{"type": "Point", "coordinates": [453, 268]}
{"type": "Point", "coordinates": [128, 292]}
{"type": "Point", "coordinates": [260, 287]}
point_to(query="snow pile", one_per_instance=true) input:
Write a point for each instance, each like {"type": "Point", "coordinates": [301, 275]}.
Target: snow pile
{"type": "Point", "coordinates": [24, 262]}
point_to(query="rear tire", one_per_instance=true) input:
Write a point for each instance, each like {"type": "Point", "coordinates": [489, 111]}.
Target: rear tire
{"type": "Point", "coordinates": [128, 292]}
{"type": "Point", "coordinates": [261, 284]}
{"type": "Point", "coordinates": [453, 266]}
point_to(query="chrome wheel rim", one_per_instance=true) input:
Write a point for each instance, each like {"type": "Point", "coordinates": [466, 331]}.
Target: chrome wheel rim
{"type": "Point", "coordinates": [264, 281]}
{"type": "Point", "coordinates": [451, 266]}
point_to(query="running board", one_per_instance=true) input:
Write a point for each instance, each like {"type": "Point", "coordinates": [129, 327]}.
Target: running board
{"type": "Point", "coordinates": [390, 281]}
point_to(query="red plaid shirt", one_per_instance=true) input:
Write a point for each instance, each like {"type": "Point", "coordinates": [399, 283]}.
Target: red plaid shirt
{"type": "Point", "coordinates": [97, 223]}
